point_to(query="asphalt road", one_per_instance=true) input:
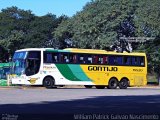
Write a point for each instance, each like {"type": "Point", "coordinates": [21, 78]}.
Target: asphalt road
{"type": "Point", "coordinates": [68, 102]}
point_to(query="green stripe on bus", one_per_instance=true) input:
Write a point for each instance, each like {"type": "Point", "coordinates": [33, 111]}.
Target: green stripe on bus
{"type": "Point", "coordinates": [66, 72]}
{"type": "Point", "coordinates": [78, 72]}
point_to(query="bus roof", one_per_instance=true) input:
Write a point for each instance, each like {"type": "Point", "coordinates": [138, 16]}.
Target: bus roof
{"type": "Point", "coordinates": [30, 49]}
{"type": "Point", "coordinates": [78, 50]}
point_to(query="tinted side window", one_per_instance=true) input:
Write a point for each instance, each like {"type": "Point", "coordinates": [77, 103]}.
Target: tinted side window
{"type": "Point", "coordinates": [135, 61]}
{"type": "Point", "coordinates": [81, 58]}
{"type": "Point", "coordinates": [72, 58]}
{"type": "Point", "coordinates": [55, 57]}
{"type": "Point", "coordinates": [89, 59]}
{"type": "Point", "coordinates": [95, 59]}
{"type": "Point", "coordinates": [112, 60]}
{"type": "Point", "coordinates": [142, 63]}
{"type": "Point", "coordinates": [105, 59]}
{"type": "Point", "coordinates": [126, 60]}
{"type": "Point", "coordinates": [138, 61]}
{"type": "Point", "coordinates": [115, 60]}
{"type": "Point", "coordinates": [100, 59]}
{"type": "Point", "coordinates": [119, 60]}
{"type": "Point", "coordinates": [64, 57]}
{"type": "Point", "coordinates": [50, 57]}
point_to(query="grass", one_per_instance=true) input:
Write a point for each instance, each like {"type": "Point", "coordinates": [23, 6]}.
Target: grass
{"type": "Point", "coordinates": [152, 79]}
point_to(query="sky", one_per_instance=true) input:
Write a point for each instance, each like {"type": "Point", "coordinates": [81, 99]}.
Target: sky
{"type": "Point", "coordinates": [42, 7]}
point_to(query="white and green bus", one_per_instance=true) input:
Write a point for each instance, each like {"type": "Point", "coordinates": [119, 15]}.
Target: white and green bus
{"type": "Point", "coordinates": [51, 67]}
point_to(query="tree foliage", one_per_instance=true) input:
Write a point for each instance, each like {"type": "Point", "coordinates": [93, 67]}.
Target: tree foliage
{"type": "Point", "coordinates": [97, 25]}
{"type": "Point", "coordinates": [102, 22]}
{"type": "Point", "coordinates": [22, 29]}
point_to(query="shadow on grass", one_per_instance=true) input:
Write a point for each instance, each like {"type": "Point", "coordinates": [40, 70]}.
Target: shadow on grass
{"type": "Point", "coordinates": [97, 105]}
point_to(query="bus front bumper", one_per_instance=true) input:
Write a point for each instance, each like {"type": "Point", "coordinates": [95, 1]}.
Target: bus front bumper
{"type": "Point", "coordinates": [19, 81]}
{"type": "Point", "coordinates": [24, 81]}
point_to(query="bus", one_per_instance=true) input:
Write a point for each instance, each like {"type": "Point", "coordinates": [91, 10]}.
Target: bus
{"type": "Point", "coordinates": [72, 66]}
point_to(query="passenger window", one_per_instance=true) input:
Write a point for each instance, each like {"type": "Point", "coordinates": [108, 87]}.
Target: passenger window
{"type": "Point", "coordinates": [50, 57]}
{"type": "Point", "coordinates": [89, 59]}
{"type": "Point", "coordinates": [55, 57]}
{"type": "Point", "coordinates": [105, 60]}
{"type": "Point", "coordinates": [100, 60]}
{"type": "Point", "coordinates": [127, 60]}
{"type": "Point", "coordinates": [141, 61]}
{"type": "Point", "coordinates": [81, 58]}
{"type": "Point", "coordinates": [65, 58]}
{"type": "Point", "coordinates": [112, 60]}
{"type": "Point", "coordinates": [135, 61]}
{"type": "Point", "coordinates": [72, 58]}
{"type": "Point", "coordinates": [95, 58]}
{"type": "Point", "coordinates": [138, 61]}
{"type": "Point", "coordinates": [119, 60]}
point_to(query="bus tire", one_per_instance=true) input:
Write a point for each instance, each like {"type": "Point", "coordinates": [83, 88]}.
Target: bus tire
{"type": "Point", "coordinates": [113, 83]}
{"type": "Point", "coordinates": [100, 86]}
{"type": "Point", "coordinates": [88, 86]}
{"type": "Point", "coordinates": [48, 82]}
{"type": "Point", "coordinates": [123, 84]}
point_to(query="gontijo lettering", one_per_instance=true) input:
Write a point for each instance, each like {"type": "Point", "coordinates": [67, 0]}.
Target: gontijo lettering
{"type": "Point", "coordinates": [102, 68]}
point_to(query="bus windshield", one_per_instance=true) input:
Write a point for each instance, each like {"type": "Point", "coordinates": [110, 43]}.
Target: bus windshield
{"type": "Point", "coordinates": [19, 66]}
{"type": "Point", "coordinates": [26, 63]}
{"type": "Point", "coordinates": [19, 63]}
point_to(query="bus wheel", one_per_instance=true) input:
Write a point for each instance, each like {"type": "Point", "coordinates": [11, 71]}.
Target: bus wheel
{"type": "Point", "coordinates": [88, 86]}
{"type": "Point", "coordinates": [113, 83]}
{"type": "Point", "coordinates": [123, 84]}
{"type": "Point", "coordinates": [48, 82]}
{"type": "Point", "coordinates": [100, 86]}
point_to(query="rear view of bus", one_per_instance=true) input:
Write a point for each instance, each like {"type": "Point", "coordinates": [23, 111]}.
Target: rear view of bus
{"type": "Point", "coordinates": [25, 64]}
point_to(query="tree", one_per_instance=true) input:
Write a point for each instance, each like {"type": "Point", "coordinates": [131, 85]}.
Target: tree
{"type": "Point", "coordinates": [3, 54]}
{"type": "Point", "coordinates": [96, 25]}
{"type": "Point", "coordinates": [13, 41]}
{"type": "Point", "coordinates": [102, 22]}
{"type": "Point", "coordinates": [22, 29]}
